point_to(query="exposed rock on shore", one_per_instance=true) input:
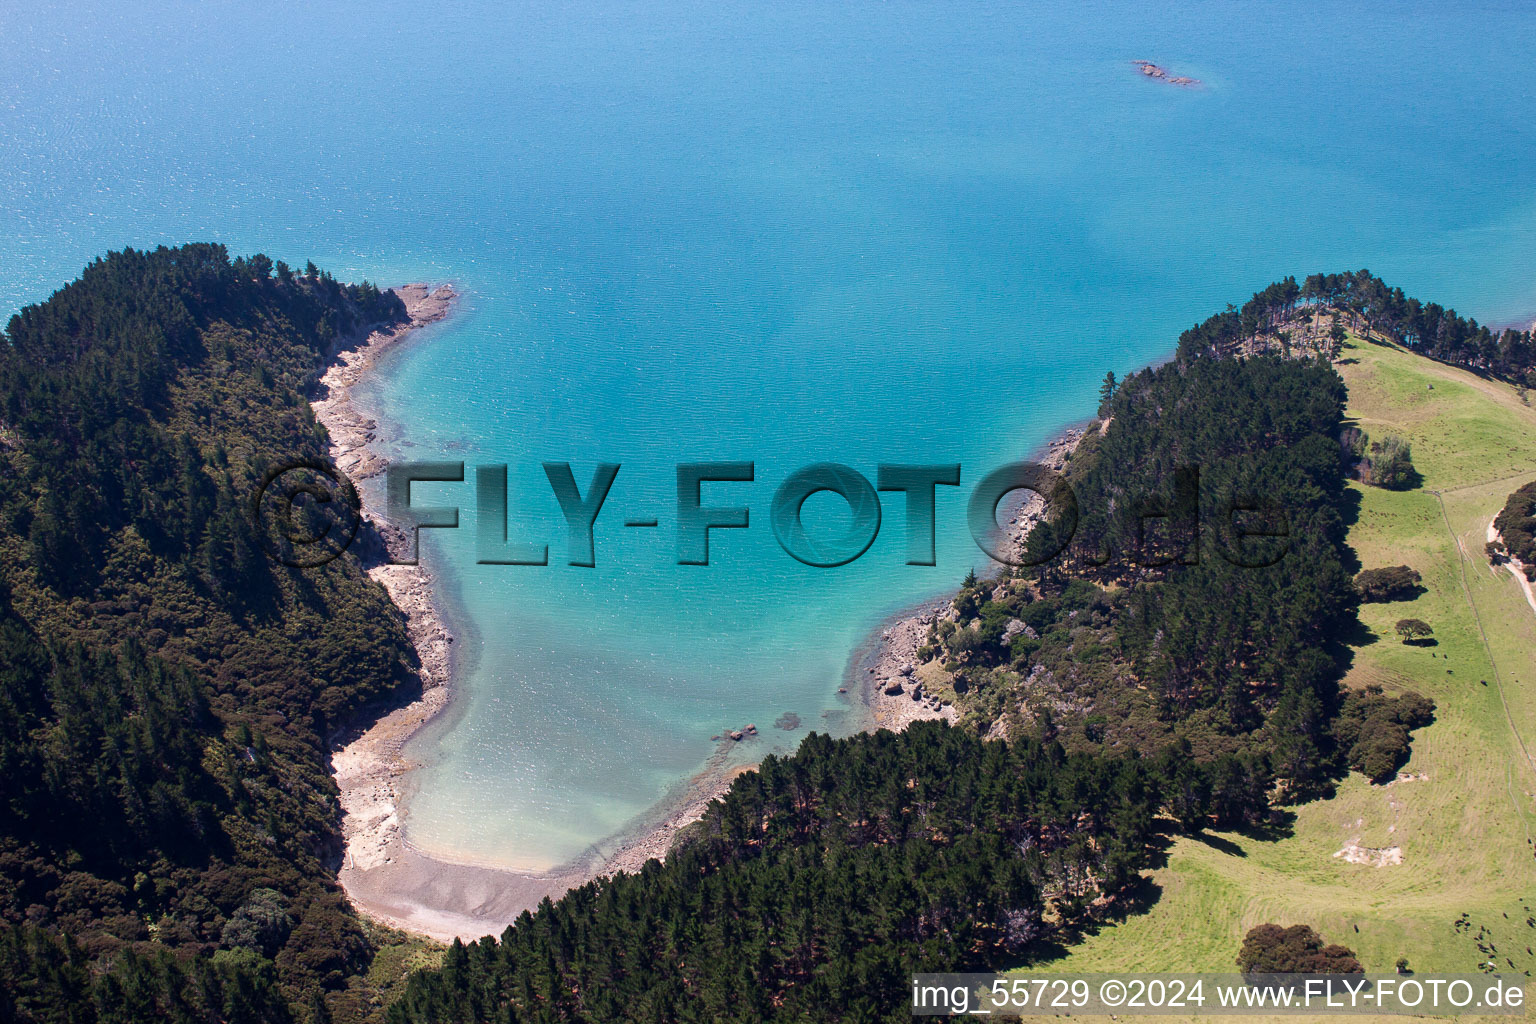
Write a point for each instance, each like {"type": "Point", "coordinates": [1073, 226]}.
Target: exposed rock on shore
{"type": "Point", "coordinates": [352, 432]}
{"type": "Point", "coordinates": [891, 705]}
{"type": "Point", "coordinates": [893, 693]}
{"type": "Point", "coordinates": [368, 769]}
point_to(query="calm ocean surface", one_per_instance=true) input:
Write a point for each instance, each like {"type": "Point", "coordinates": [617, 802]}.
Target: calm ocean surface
{"type": "Point", "coordinates": [785, 233]}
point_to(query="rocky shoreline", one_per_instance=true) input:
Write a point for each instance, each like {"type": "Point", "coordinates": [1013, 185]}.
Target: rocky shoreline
{"type": "Point", "coordinates": [886, 678]}
{"type": "Point", "coordinates": [370, 765]}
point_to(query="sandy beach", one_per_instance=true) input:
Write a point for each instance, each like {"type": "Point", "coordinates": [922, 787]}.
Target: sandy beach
{"type": "Point", "coordinates": [384, 876]}
{"type": "Point", "coordinates": [369, 766]}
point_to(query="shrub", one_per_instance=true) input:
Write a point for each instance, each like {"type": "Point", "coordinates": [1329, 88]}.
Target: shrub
{"type": "Point", "coordinates": [1271, 949]}
{"type": "Point", "coordinates": [1371, 731]}
{"type": "Point", "coordinates": [1386, 463]}
{"type": "Point", "coordinates": [1392, 464]}
{"type": "Point", "coordinates": [1393, 583]}
{"type": "Point", "coordinates": [262, 923]}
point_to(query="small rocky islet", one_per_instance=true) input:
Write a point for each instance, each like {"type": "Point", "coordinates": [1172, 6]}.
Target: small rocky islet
{"type": "Point", "coordinates": [1157, 71]}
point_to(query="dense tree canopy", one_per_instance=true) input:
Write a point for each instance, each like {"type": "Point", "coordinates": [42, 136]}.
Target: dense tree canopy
{"type": "Point", "coordinates": [1160, 629]}
{"type": "Point", "coordinates": [166, 691]}
{"type": "Point", "coordinates": [1367, 305]}
{"type": "Point", "coordinates": [817, 886]}
{"type": "Point", "coordinates": [1391, 583]}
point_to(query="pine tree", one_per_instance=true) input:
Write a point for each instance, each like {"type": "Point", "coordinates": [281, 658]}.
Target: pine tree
{"type": "Point", "coordinates": [1296, 728]}
{"type": "Point", "coordinates": [1107, 390]}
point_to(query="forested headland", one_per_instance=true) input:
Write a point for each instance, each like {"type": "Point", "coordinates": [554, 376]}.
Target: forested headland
{"type": "Point", "coordinates": [170, 829]}
{"type": "Point", "coordinates": [1316, 315]}
{"type": "Point", "coordinates": [1160, 628]}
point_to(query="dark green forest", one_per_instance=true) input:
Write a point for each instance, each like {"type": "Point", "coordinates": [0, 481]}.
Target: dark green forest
{"type": "Point", "coordinates": [1170, 624]}
{"type": "Point", "coordinates": [169, 690]}
{"type": "Point", "coordinates": [1271, 949]}
{"type": "Point", "coordinates": [171, 832]}
{"type": "Point", "coordinates": [816, 887]}
{"type": "Point", "coordinates": [1389, 583]}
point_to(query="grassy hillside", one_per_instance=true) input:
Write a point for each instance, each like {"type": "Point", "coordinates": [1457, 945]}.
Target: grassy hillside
{"type": "Point", "coordinates": [1465, 822]}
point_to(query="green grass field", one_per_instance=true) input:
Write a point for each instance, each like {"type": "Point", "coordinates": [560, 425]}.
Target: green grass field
{"type": "Point", "coordinates": [1465, 828]}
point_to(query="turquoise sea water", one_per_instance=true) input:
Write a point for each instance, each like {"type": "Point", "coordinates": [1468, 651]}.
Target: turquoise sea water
{"type": "Point", "coordinates": [785, 233]}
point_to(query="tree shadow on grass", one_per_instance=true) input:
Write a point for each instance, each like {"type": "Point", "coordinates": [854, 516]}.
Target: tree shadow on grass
{"type": "Point", "coordinates": [1137, 898]}
{"type": "Point", "coordinates": [1412, 481]}
{"type": "Point", "coordinates": [1358, 634]}
{"type": "Point", "coordinates": [1142, 895]}
{"type": "Point", "coordinates": [1350, 637]}
{"type": "Point", "coordinates": [1400, 595]}
{"type": "Point", "coordinates": [1218, 844]}
{"type": "Point", "coordinates": [1280, 825]}
{"type": "Point", "coordinates": [1161, 843]}
{"type": "Point", "coordinates": [1349, 514]}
